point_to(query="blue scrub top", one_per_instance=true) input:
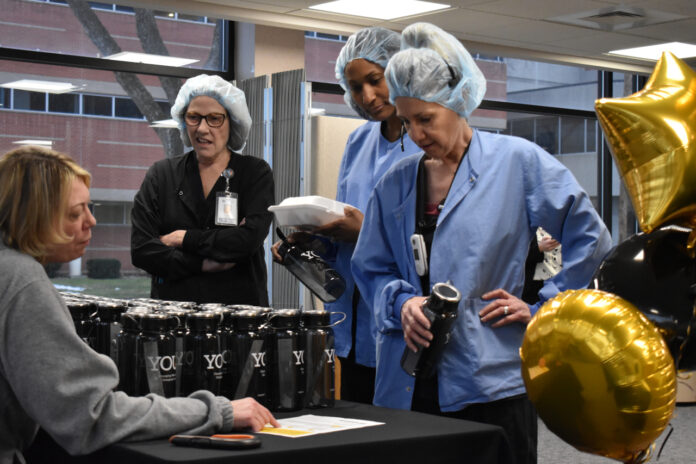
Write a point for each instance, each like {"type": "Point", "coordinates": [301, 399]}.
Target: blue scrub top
{"type": "Point", "coordinates": [367, 157]}
{"type": "Point", "coordinates": [505, 188]}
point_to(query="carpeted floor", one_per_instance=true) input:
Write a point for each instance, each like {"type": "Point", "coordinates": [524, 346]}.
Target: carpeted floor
{"type": "Point", "coordinates": [679, 449]}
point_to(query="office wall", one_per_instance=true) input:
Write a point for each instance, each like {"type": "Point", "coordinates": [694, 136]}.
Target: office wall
{"type": "Point", "coordinates": [329, 136]}
{"type": "Point", "coordinates": [278, 50]}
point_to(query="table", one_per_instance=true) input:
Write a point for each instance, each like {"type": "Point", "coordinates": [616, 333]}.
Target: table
{"type": "Point", "coordinates": [405, 437]}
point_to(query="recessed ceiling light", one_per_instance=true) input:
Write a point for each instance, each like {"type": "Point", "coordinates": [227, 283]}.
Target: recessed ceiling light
{"type": "Point", "coordinates": [165, 124]}
{"type": "Point", "coordinates": [133, 57]}
{"type": "Point", "coordinates": [43, 143]}
{"type": "Point", "coordinates": [40, 86]}
{"type": "Point", "coordinates": [383, 9]}
{"type": "Point", "coordinates": [654, 52]}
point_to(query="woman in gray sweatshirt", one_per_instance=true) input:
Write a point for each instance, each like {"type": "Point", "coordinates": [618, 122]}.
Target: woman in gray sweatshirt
{"type": "Point", "coordinates": [49, 377]}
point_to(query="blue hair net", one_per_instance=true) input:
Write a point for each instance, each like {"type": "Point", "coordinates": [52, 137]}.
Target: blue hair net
{"type": "Point", "coordinates": [434, 66]}
{"type": "Point", "coordinates": [229, 96]}
{"type": "Point", "coordinates": [375, 44]}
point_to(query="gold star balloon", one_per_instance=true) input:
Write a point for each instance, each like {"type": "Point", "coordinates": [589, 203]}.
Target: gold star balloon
{"type": "Point", "coordinates": [599, 374]}
{"type": "Point", "coordinates": [652, 137]}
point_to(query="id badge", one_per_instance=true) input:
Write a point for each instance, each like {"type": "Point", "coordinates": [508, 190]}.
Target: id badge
{"type": "Point", "coordinates": [226, 209]}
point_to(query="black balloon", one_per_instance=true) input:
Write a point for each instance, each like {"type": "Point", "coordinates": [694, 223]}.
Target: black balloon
{"type": "Point", "coordinates": [655, 272]}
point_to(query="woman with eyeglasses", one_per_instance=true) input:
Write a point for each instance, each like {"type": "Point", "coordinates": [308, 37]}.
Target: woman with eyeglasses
{"type": "Point", "coordinates": [200, 219]}
{"type": "Point", "coordinates": [473, 200]}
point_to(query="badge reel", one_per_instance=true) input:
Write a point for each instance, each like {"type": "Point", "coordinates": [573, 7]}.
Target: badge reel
{"type": "Point", "coordinates": [420, 254]}
{"type": "Point", "coordinates": [226, 203]}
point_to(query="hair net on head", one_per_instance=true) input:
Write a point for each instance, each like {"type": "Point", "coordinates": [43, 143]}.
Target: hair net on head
{"type": "Point", "coordinates": [229, 96]}
{"type": "Point", "coordinates": [434, 66]}
{"type": "Point", "coordinates": [375, 44]}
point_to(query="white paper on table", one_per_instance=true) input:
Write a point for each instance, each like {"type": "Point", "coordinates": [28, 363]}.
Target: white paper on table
{"type": "Point", "coordinates": [309, 424]}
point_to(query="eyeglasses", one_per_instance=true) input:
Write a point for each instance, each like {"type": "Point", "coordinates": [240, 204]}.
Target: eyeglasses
{"type": "Point", "coordinates": [213, 119]}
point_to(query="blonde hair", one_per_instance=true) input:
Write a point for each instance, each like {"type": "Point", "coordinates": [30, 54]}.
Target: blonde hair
{"type": "Point", "coordinates": [35, 183]}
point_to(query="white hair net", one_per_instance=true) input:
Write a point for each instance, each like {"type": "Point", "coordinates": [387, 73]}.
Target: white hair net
{"type": "Point", "coordinates": [375, 44]}
{"type": "Point", "coordinates": [229, 96]}
{"type": "Point", "coordinates": [434, 66]}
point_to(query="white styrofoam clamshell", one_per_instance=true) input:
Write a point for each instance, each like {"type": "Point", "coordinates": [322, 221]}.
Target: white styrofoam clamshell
{"type": "Point", "coordinates": [311, 210]}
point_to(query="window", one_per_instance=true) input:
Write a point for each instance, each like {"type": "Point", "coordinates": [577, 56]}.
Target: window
{"type": "Point", "coordinates": [101, 6]}
{"type": "Point", "coordinates": [97, 106]}
{"type": "Point", "coordinates": [6, 98]}
{"type": "Point", "coordinates": [591, 136]}
{"type": "Point", "coordinates": [66, 33]}
{"type": "Point", "coordinates": [547, 134]}
{"type": "Point", "coordinates": [109, 213]}
{"type": "Point", "coordinates": [125, 108]}
{"type": "Point", "coordinates": [64, 103]}
{"type": "Point", "coordinates": [522, 128]}
{"type": "Point", "coordinates": [572, 135]}
{"type": "Point", "coordinates": [165, 106]}
{"type": "Point", "coordinates": [33, 101]}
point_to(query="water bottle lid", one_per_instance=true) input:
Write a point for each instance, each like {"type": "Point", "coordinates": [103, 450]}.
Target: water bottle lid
{"type": "Point", "coordinates": [446, 292]}
{"type": "Point", "coordinates": [186, 304]}
{"type": "Point", "coordinates": [210, 306]}
{"type": "Point", "coordinates": [130, 320]}
{"type": "Point", "coordinates": [202, 321]}
{"type": "Point", "coordinates": [155, 322]}
{"type": "Point", "coordinates": [249, 319]}
{"type": "Point", "coordinates": [109, 311]}
{"type": "Point", "coordinates": [81, 310]}
{"type": "Point", "coordinates": [178, 316]}
{"type": "Point", "coordinates": [316, 318]}
{"type": "Point", "coordinates": [284, 318]}
{"type": "Point", "coordinates": [222, 311]}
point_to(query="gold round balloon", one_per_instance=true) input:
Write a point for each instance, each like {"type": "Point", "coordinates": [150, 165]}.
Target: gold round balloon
{"type": "Point", "coordinates": [599, 374]}
{"type": "Point", "coordinates": [652, 137]}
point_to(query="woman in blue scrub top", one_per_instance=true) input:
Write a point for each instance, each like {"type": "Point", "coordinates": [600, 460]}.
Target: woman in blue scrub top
{"type": "Point", "coordinates": [370, 151]}
{"type": "Point", "coordinates": [476, 199]}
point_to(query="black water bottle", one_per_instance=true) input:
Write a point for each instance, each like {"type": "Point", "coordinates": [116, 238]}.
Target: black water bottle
{"type": "Point", "coordinates": [128, 350]}
{"type": "Point", "coordinates": [441, 310]}
{"type": "Point", "coordinates": [227, 329]}
{"type": "Point", "coordinates": [157, 364]}
{"type": "Point", "coordinates": [319, 359]}
{"type": "Point", "coordinates": [310, 269]}
{"type": "Point", "coordinates": [107, 327]}
{"type": "Point", "coordinates": [249, 370]}
{"type": "Point", "coordinates": [286, 367]}
{"type": "Point", "coordinates": [82, 313]}
{"type": "Point", "coordinates": [225, 334]}
{"type": "Point", "coordinates": [178, 328]}
{"type": "Point", "coordinates": [202, 354]}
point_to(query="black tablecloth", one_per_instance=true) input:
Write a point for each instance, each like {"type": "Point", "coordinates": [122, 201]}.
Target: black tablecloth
{"type": "Point", "coordinates": [406, 436]}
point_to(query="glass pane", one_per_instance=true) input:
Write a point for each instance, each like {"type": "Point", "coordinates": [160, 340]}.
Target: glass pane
{"type": "Point", "coordinates": [55, 27]}
{"type": "Point", "coordinates": [542, 84]}
{"type": "Point", "coordinates": [185, 17]}
{"type": "Point", "coordinates": [109, 213]}
{"type": "Point", "coordinates": [101, 6]}
{"type": "Point", "coordinates": [547, 134]}
{"type": "Point", "coordinates": [125, 108]}
{"type": "Point", "coordinates": [591, 135]}
{"type": "Point", "coordinates": [98, 106]}
{"type": "Point", "coordinates": [572, 135]}
{"type": "Point", "coordinates": [507, 79]}
{"type": "Point", "coordinates": [64, 103]}
{"type": "Point", "coordinates": [117, 151]}
{"type": "Point", "coordinates": [33, 101]}
{"type": "Point", "coordinates": [544, 128]}
{"type": "Point", "coordinates": [5, 98]}
{"type": "Point", "coordinates": [522, 127]}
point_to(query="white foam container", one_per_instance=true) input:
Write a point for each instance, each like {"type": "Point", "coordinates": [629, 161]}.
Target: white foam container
{"type": "Point", "coordinates": [312, 210]}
